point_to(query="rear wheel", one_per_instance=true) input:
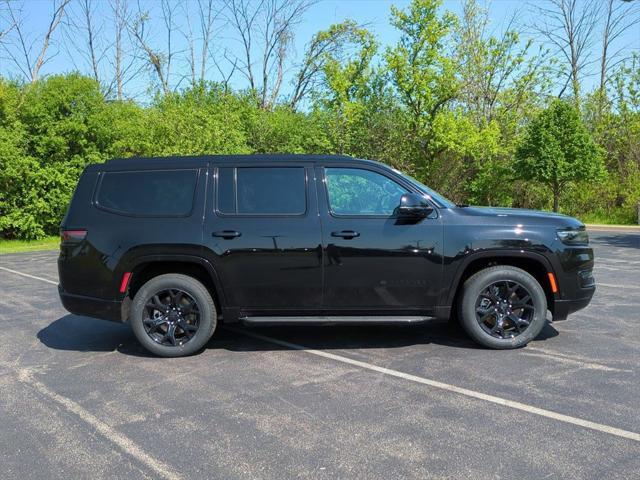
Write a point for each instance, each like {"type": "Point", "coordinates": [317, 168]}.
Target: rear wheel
{"type": "Point", "coordinates": [173, 315]}
{"type": "Point", "coordinates": [502, 307]}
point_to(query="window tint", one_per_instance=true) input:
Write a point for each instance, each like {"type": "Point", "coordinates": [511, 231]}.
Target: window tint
{"type": "Point", "coordinates": [226, 193]}
{"type": "Point", "coordinates": [263, 191]}
{"type": "Point", "coordinates": [271, 190]}
{"type": "Point", "coordinates": [152, 192]}
{"type": "Point", "coordinates": [354, 191]}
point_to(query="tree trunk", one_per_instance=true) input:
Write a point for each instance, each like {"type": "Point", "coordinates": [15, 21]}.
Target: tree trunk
{"type": "Point", "coordinates": [556, 200]}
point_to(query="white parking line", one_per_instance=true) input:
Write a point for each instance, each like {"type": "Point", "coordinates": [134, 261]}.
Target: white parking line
{"type": "Point", "coordinates": [126, 444]}
{"type": "Point", "coordinates": [609, 285]}
{"type": "Point", "coordinates": [451, 388]}
{"type": "Point", "coordinates": [29, 276]}
{"type": "Point", "coordinates": [123, 442]}
{"type": "Point", "coordinates": [615, 261]}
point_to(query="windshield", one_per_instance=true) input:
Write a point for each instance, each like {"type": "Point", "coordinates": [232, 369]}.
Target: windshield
{"type": "Point", "coordinates": [442, 201]}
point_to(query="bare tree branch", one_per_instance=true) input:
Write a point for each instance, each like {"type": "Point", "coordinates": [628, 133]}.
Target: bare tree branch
{"type": "Point", "coordinates": [208, 16]}
{"type": "Point", "coordinates": [265, 31]}
{"type": "Point", "coordinates": [323, 45]}
{"type": "Point", "coordinates": [154, 58]}
{"type": "Point", "coordinates": [11, 24]}
{"type": "Point", "coordinates": [82, 23]}
{"type": "Point", "coordinates": [55, 21]}
{"type": "Point", "coordinates": [569, 25]}
{"type": "Point", "coordinates": [168, 9]}
{"type": "Point", "coordinates": [120, 15]}
{"type": "Point", "coordinates": [24, 60]}
{"type": "Point", "coordinates": [189, 38]}
{"type": "Point", "coordinates": [226, 78]}
{"type": "Point", "coordinates": [619, 17]}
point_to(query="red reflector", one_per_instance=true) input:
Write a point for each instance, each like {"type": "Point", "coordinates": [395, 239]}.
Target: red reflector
{"type": "Point", "coordinates": [552, 281]}
{"type": "Point", "coordinates": [125, 282]}
{"type": "Point", "coordinates": [72, 235]}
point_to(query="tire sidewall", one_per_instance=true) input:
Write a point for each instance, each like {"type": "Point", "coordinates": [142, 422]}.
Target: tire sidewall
{"type": "Point", "coordinates": [197, 291]}
{"type": "Point", "coordinates": [478, 282]}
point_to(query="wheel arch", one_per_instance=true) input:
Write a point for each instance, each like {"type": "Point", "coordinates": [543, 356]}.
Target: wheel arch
{"type": "Point", "coordinates": [150, 266]}
{"type": "Point", "coordinates": [533, 263]}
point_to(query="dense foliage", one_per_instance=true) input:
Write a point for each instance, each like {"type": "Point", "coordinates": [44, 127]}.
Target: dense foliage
{"type": "Point", "coordinates": [557, 149]}
{"type": "Point", "coordinates": [473, 116]}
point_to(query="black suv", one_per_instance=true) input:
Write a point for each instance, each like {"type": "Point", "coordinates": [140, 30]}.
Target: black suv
{"type": "Point", "coordinates": [178, 245]}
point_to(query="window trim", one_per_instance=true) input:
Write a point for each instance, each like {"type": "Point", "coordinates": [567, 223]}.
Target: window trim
{"type": "Point", "coordinates": [235, 168]}
{"type": "Point", "coordinates": [356, 167]}
{"type": "Point", "coordinates": [95, 202]}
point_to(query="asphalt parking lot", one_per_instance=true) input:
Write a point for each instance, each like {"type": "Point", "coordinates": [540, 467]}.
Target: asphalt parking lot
{"type": "Point", "coordinates": [79, 398]}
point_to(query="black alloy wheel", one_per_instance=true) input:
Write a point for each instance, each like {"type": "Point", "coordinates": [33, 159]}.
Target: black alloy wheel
{"type": "Point", "coordinates": [172, 317]}
{"type": "Point", "coordinates": [504, 309]}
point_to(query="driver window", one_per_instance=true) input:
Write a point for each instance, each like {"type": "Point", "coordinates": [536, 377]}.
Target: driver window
{"type": "Point", "coordinates": [354, 191]}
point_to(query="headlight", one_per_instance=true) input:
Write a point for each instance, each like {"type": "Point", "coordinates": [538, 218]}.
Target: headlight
{"type": "Point", "coordinates": [574, 237]}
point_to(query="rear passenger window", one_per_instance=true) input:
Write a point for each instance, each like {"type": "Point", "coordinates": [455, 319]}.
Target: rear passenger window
{"type": "Point", "coordinates": [148, 193]}
{"type": "Point", "coordinates": [262, 191]}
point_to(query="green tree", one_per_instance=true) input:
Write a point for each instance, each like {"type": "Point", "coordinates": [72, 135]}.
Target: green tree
{"type": "Point", "coordinates": [420, 68]}
{"type": "Point", "coordinates": [284, 130]}
{"type": "Point", "coordinates": [500, 77]}
{"type": "Point", "coordinates": [49, 131]}
{"type": "Point", "coordinates": [345, 78]}
{"type": "Point", "coordinates": [204, 119]}
{"type": "Point", "coordinates": [345, 50]}
{"type": "Point", "coordinates": [557, 150]}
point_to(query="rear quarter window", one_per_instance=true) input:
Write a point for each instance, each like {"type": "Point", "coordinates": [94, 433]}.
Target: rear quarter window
{"type": "Point", "coordinates": [147, 193]}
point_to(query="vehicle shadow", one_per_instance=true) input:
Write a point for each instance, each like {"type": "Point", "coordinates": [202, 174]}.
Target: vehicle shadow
{"type": "Point", "coordinates": [83, 334]}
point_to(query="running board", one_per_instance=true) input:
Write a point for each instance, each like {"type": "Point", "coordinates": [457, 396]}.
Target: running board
{"type": "Point", "coordinates": [336, 320]}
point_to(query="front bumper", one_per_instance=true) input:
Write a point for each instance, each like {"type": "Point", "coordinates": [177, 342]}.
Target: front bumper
{"type": "Point", "coordinates": [112, 310]}
{"type": "Point", "coordinates": [574, 273]}
{"type": "Point", "coordinates": [562, 308]}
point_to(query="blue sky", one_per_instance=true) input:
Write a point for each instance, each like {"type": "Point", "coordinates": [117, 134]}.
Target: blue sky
{"type": "Point", "coordinates": [373, 13]}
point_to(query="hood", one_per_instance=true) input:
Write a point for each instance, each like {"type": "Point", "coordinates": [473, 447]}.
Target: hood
{"type": "Point", "coordinates": [521, 215]}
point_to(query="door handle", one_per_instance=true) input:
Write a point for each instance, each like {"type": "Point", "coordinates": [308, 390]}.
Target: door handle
{"type": "Point", "coordinates": [226, 234]}
{"type": "Point", "coordinates": [346, 234]}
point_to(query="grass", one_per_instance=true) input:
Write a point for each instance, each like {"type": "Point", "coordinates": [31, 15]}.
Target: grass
{"type": "Point", "coordinates": [615, 217]}
{"type": "Point", "coordinates": [15, 246]}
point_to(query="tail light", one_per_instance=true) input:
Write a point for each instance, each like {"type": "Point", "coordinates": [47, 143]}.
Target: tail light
{"type": "Point", "coordinates": [72, 236]}
{"type": "Point", "coordinates": [124, 283]}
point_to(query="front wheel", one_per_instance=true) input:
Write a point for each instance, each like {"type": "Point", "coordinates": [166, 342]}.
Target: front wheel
{"type": "Point", "coordinates": [502, 307]}
{"type": "Point", "coordinates": [173, 315]}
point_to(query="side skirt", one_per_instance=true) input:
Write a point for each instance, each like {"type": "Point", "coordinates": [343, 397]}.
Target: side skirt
{"type": "Point", "coordinates": [335, 320]}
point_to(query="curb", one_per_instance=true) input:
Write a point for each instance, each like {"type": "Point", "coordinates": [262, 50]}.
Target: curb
{"type": "Point", "coordinates": [613, 228]}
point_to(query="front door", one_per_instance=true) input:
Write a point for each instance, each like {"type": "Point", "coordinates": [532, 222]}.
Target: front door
{"type": "Point", "coordinates": [263, 233]}
{"type": "Point", "coordinates": [372, 259]}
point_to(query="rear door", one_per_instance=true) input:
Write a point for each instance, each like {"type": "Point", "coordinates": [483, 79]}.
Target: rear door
{"type": "Point", "coordinates": [264, 234]}
{"type": "Point", "coordinates": [373, 260]}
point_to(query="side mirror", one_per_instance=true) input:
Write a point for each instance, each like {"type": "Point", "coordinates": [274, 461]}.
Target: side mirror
{"type": "Point", "coordinates": [413, 205]}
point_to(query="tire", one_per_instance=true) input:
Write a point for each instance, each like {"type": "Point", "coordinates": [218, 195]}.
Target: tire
{"type": "Point", "coordinates": [173, 315]}
{"type": "Point", "coordinates": [496, 318]}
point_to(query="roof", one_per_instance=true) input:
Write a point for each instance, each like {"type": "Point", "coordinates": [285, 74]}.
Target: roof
{"type": "Point", "coordinates": [202, 160]}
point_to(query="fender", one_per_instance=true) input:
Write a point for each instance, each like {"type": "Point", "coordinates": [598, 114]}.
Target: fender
{"type": "Point", "coordinates": [502, 253]}
{"type": "Point", "coordinates": [133, 263]}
